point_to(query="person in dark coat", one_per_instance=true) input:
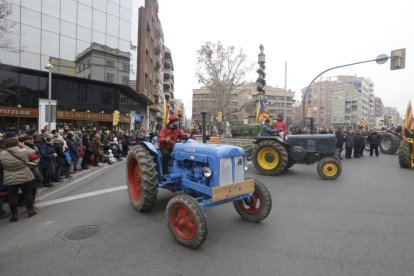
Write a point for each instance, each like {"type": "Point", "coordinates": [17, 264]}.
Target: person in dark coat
{"type": "Point", "coordinates": [266, 130]}
{"type": "Point", "coordinates": [48, 161]}
{"type": "Point", "coordinates": [349, 144]}
{"type": "Point", "coordinates": [61, 164]}
{"type": "Point", "coordinates": [358, 142]}
{"type": "Point", "coordinates": [87, 149]}
{"type": "Point", "coordinates": [374, 140]}
{"type": "Point", "coordinates": [339, 141]}
{"type": "Point", "coordinates": [365, 134]}
{"type": "Point", "coordinates": [73, 150]}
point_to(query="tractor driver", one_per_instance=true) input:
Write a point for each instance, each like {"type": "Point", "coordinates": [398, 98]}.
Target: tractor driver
{"type": "Point", "coordinates": [280, 125]}
{"type": "Point", "coordinates": [168, 136]}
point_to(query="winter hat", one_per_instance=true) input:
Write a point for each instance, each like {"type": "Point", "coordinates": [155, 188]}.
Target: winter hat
{"type": "Point", "coordinates": [10, 134]}
{"type": "Point", "coordinates": [172, 118]}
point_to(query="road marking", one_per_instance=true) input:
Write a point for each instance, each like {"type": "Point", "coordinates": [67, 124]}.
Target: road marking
{"type": "Point", "coordinates": [70, 198]}
{"type": "Point", "coordinates": [40, 198]}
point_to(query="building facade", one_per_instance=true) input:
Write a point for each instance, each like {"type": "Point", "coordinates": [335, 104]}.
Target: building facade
{"type": "Point", "coordinates": [341, 102]}
{"type": "Point", "coordinates": [243, 104]}
{"type": "Point", "coordinates": [154, 64]}
{"type": "Point", "coordinates": [88, 44]}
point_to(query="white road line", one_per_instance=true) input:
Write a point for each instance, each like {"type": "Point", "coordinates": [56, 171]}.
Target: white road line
{"type": "Point", "coordinates": [70, 198]}
{"type": "Point", "coordinates": [40, 198]}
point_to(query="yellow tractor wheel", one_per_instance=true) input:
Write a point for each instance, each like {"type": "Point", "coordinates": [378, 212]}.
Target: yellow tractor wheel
{"type": "Point", "coordinates": [406, 154]}
{"type": "Point", "coordinates": [329, 168]}
{"type": "Point", "coordinates": [270, 157]}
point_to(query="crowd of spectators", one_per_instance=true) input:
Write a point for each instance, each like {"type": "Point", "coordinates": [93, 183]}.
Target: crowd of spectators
{"type": "Point", "coordinates": [47, 158]}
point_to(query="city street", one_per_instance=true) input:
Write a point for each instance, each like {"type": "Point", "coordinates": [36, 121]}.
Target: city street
{"type": "Point", "coordinates": [359, 224]}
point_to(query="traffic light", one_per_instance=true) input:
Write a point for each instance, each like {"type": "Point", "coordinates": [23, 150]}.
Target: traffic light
{"type": "Point", "coordinates": [115, 118]}
{"type": "Point", "coordinates": [397, 59]}
{"type": "Point", "coordinates": [219, 116]}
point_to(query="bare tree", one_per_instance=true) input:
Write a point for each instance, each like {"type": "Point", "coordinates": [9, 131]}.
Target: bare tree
{"type": "Point", "coordinates": [6, 9]}
{"type": "Point", "coordinates": [222, 70]}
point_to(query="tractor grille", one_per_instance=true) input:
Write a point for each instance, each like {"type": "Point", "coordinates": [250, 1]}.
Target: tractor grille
{"type": "Point", "coordinates": [227, 165]}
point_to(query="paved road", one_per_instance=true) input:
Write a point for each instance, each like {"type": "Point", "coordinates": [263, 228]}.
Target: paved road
{"type": "Point", "coordinates": [360, 224]}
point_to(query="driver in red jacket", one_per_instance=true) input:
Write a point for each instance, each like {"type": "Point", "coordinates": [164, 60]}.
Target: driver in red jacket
{"type": "Point", "coordinates": [168, 136]}
{"type": "Point", "coordinates": [279, 125]}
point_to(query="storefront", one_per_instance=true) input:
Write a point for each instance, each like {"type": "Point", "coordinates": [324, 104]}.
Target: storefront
{"type": "Point", "coordinates": [124, 122]}
{"type": "Point", "coordinates": [16, 118]}
{"type": "Point", "coordinates": [83, 120]}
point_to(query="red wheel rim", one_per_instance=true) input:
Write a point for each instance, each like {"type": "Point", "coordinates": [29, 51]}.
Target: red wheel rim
{"type": "Point", "coordinates": [183, 222]}
{"type": "Point", "coordinates": [254, 207]}
{"type": "Point", "coordinates": [134, 179]}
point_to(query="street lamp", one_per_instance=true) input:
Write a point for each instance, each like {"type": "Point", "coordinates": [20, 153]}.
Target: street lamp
{"type": "Point", "coordinates": [203, 114]}
{"type": "Point", "coordinates": [49, 119]}
{"type": "Point", "coordinates": [381, 59]}
{"type": "Point", "coordinates": [179, 114]}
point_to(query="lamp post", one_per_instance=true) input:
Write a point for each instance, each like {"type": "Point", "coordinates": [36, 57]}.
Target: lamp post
{"type": "Point", "coordinates": [261, 82]}
{"type": "Point", "coordinates": [381, 59]}
{"type": "Point", "coordinates": [203, 114]}
{"type": "Point", "coordinates": [49, 119]}
{"type": "Point", "coordinates": [179, 114]}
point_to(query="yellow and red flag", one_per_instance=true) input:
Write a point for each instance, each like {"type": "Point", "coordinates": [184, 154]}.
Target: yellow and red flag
{"type": "Point", "coordinates": [165, 113]}
{"type": "Point", "coordinates": [261, 113]}
{"type": "Point", "coordinates": [363, 122]}
{"type": "Point", "coordinates": [408, 125]}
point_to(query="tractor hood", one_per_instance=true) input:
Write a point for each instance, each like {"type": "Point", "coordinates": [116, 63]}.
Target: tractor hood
{"type": "Point", "coordinates": [202, 152]}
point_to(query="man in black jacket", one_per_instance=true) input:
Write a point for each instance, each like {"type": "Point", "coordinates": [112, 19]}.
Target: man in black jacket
{"type": "Point", "coordinates": [373, 140]}
{"type": "Point", "coordinates": [266, 130]}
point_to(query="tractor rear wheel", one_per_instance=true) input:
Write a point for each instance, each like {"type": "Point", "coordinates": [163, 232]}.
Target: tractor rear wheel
{"type": "Point", "coordinates": [142, 179]}
{"type": "Point", "coordinates": [329, 168]}
{"type": "Point", "coordinates": [270, 157]}
{"type": "Point", "coordinates": [257, 207]}
{"type": "Point", "coordinates": [406, 155]}
{"type": "Point", "coordinates": [186, 220]}
{"type": "Point", "coordinates": [389, 143]}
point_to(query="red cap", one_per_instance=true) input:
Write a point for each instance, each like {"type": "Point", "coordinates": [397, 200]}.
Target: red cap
{"type": "Point", "coordinates": [280, 115]}
{"type": "Point", "coordinates": [172, 118]}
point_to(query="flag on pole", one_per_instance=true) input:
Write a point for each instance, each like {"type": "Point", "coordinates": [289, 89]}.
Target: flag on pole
{"type": "Point", "coordinates": [165, 113]}
{"type": "Point", "coordinates": [261, 113]}
{"type": "Point", "coordinates": [363, 122]}
{"type": "Point", "coordinates": [408, 125]}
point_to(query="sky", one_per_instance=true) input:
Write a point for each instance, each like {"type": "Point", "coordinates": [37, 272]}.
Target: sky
{"type": "Point", "coordinates": [310, 35]}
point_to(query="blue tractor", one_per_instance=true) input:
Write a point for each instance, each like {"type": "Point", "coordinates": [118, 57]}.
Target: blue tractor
{"type": "Point", "coordinates": [205, 175]}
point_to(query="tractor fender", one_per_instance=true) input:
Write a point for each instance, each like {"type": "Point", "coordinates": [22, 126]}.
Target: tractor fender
{"type": "Point", "coordinates": [274, 138]}
{"type": "Point", "coordinates": [157, 157]}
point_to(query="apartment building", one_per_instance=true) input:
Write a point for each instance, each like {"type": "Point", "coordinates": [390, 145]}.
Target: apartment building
{"type": "Point", "coordinates": [243, 103]}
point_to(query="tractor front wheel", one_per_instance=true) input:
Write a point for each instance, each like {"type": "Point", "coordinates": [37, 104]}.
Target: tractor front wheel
{"type": "Point", "coordinates": [186, 220]}
{"type": "Point", "coordinates": [141, 179]}
{"type": "Point", "coordinates": [329, 168]}
{"type": "Point", "coordinates": [270, 158]}
{"type": "Point", "coordinates": [257, 206]}
{"type": "Point", "coordinates": [405, 155]}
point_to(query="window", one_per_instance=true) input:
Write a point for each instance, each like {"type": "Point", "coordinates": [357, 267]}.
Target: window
{"type": "Point", "coordinates": [68, 10]}
{"type": "Point", "coordinates": [125, 80]}
{"type": "Point", "coordinates": [125, 67]}
{"type": "Point", "coordinates": [110, 63]}
{"type": "Point", "coordinates": [110, 77]}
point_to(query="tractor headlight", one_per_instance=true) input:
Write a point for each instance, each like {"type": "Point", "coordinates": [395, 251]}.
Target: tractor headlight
{"type": "Point", "coordinates": [206, 171]}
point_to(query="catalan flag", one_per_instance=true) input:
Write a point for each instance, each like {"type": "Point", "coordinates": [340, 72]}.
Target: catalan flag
{"type": "Point", "coordinates": [408, 125]}
{"type": "Point", "coordinates": [363, 122]}
{"type": "Point", "coordinates": [261, 113]}
{"type": "Point", "coordinates": [165, 113]}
